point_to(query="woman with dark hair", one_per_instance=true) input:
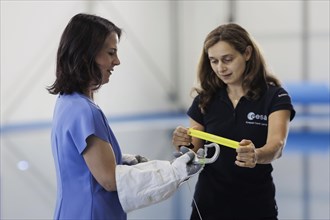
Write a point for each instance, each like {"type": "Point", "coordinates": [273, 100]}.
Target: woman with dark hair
{"type": "Point", "coordinates": [77, 61]}
{"type": "Point", "coordinates": [239, 99]}
{"type": "Point", "coordinates": [93, 177]}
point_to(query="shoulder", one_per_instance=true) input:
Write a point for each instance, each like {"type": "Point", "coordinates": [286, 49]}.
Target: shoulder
{"type": "Point", "coordinates": [279, 99]}
{"type": "Point", "coordinates": [76, 105]}
{"type": "Point", "coordinates": [275, 96]}
{"type": "Point", "coordinates": [276, 92]}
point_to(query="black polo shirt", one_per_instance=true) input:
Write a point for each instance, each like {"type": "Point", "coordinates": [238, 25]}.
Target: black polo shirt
{"type": "Point", "coordinates": [223, 180]}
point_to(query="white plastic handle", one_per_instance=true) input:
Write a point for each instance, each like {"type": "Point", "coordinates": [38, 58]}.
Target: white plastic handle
{"type": "Point", "coordinates": [208, 160]}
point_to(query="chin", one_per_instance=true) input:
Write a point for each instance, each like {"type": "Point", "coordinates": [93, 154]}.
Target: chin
{"type": "Point", "coordinates": [105, 81]}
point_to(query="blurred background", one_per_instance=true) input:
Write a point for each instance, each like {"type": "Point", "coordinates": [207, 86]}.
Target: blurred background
{"type": "Point", "coordinates": [148, 94]}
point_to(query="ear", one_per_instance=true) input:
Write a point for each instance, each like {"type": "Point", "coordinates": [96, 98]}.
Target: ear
{"type": "Point", "coordinates": [248, 52]}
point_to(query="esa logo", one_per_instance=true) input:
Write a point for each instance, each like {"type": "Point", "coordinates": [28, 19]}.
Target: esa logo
{"type": "Point", "coordinates": [251, 116]}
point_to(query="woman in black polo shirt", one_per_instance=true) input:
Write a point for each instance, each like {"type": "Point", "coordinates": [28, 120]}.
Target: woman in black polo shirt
{"type": "Point", "coordinates": [237, 98]}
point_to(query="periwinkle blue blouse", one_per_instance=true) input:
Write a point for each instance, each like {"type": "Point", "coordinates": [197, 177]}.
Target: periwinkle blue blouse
{"type": "Point", "coordinates": [79, 195]}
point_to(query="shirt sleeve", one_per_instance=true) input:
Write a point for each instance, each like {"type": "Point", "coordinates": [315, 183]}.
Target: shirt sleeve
{"type": "Point", "coordinates": [195, 112]}
{"type": "Point", "coordinates": [87, 121]}
{"type": "Point", "coordinates": [282, 101]}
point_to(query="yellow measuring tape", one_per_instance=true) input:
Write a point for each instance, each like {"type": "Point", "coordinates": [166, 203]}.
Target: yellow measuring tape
{"type": "Point", "coordinates": [212, 138]}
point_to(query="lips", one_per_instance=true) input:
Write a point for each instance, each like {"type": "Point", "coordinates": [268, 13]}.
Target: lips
{"type": "Point", "coordinates": [226, 75]}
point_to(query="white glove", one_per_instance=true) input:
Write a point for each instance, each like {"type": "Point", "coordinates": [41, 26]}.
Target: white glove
{"type": "Point", "coordinates": [184, 165]}
{"type": "Point", "coordinates": [130, 159]}
{"type": "Point", "coordinates": [151, 182]}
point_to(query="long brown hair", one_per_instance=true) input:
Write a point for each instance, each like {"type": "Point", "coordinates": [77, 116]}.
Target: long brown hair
{"type": "Point", "coordinates": [256, 76]}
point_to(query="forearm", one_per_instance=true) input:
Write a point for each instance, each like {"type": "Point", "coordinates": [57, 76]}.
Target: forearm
{"type": "Point", "coordinates": [151, 182]}
{"type": "Point", "coordinates": [269, 152]}
{"type": "Point", "coordinates": [276, 138]}
{"type": "Point", "coordinates": [144, 184]}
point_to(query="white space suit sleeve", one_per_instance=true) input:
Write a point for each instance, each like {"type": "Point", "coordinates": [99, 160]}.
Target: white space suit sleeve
{"type": "Point", "coordinates": [147, 183]}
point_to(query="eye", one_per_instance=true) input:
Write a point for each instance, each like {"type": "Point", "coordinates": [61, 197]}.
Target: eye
{"type": "Point", "coordinates": [213, 61]}
{"type": "Point", "coordinates": [227, 60]}
{"type": "Point", "coordinates": [112, 52]}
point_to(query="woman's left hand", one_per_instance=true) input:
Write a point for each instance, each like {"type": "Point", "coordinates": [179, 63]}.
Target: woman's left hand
{"type": "Point", "coordinates": [246, 154]}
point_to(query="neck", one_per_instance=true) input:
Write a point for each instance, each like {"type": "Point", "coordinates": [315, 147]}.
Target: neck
{"type": "Point", "coordinates": [235, 94]}
{"type": "Point", "coordinates": [235, 91]}
{"type": "Point", "coordinates": [89, 94]}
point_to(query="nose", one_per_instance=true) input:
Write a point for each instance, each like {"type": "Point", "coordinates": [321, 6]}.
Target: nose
{"type": "Point", "coordinates": [116, 61]}
{"type": "Point", "coordinates": [222, 67]}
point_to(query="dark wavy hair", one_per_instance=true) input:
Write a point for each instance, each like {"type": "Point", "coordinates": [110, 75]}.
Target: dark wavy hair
{"type": "Point", "coordinates": [256, 77]}
{"type": "Point", "coordinates": [81, 40]}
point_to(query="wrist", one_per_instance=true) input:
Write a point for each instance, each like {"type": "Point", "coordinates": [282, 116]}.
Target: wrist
{"type": "Point", "coordinates": [256, 155]}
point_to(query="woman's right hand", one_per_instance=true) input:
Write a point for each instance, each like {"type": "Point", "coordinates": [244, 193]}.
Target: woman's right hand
{"type": "Point", "coordinates": [180, 137]}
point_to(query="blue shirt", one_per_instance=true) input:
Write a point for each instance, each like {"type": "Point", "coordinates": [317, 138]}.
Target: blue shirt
{"type": "Point", "coordinates": [79, 195]}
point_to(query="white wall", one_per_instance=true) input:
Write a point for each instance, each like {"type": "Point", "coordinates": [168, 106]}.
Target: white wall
{"type": "Point", "coordinates": [159, 52]}
{"type": "Point", "coordinates": [154, 62]}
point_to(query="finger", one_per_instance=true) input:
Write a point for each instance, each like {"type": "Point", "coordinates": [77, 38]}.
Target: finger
{"type": "Point", "coordinates": [243, 149]}
{"type": "Point", "coordinates": [194, 168]}
{"type": "Point", "coordinates": [190, 146]}
{"type": "Point", "coordinates": [181, 140]}
{"type": "Point", "coordinates": [177, 154]}
{"type": "Point", "coordinates": [181, 143]}
{"type": "Point", "coordinates": [191, 155]}
{"type": "Point", "coordinates": [200, 153]}
{"type": "Point", "coordinates": [181, 136]}
{"type": "Point", "coordinates": [247, 155]}
{"type": "Point", "coordinates": [245, 142]}
{"type": "Point", "coordinates": [187, 157]}
{"type": "Point", "coordinates": [141, 159]}
{"type": "Point", "coordinates": [245, 159]}
{"type": "Point", "coordinates": [181, 130]}
{"type": "Point", "coordinates": [245, 164]}
{"type": "Point", "coordinates": [240, 163]}
{"type": "Point", "coordinates": [184, 149]}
